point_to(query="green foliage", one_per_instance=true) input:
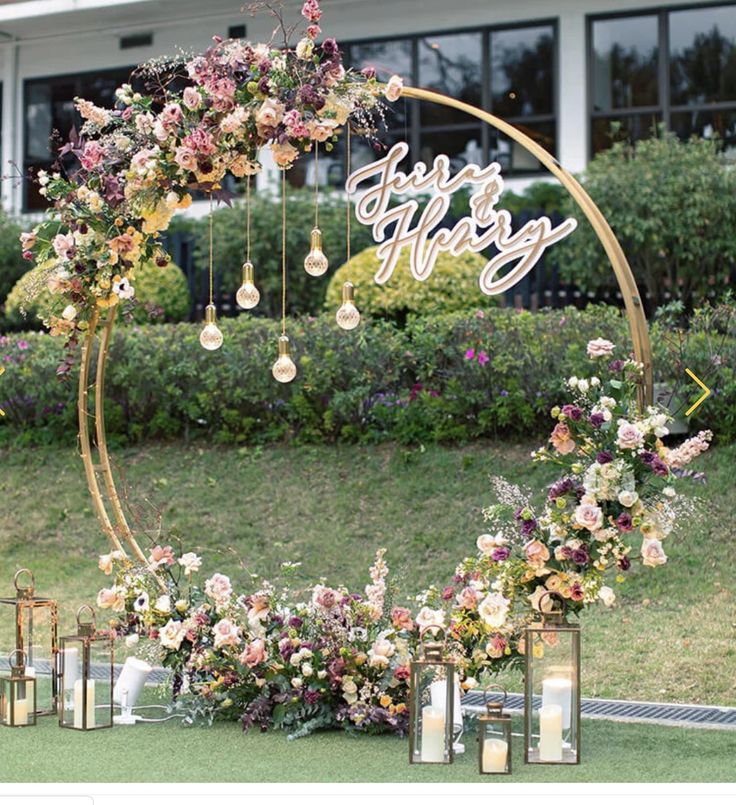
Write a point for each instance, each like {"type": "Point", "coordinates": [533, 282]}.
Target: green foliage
{"type": "Point", "coordinates": [305, 294]}
{"type": "Point", "coordinates": [672, 206]}
{"type": "Point", "coordinates": [415, 385]}
{"type": "Point", "coordinates": [541, 197]}
{"type": "Point", "coordinates": [452, 286]}
{"type": "Point", "coordinates": [12, 265]}
{"type": "Point", "coordinates": [162, 294]}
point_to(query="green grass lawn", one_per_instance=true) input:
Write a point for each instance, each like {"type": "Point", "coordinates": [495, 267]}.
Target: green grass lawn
{"type": "Point", "coordinates": [165, 752]}
{"type": "Point", "coordinates": [672, 637]}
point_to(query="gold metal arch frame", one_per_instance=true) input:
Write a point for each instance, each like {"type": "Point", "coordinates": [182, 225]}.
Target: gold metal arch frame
{"type": "Point", "coordinates": [95, 454]}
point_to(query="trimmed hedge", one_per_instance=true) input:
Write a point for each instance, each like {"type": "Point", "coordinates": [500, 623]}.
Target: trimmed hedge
{"type": "Point", "coordinates": [377, 383]}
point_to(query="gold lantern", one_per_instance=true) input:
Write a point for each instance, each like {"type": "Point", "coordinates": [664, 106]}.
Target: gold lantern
{"type": "Point", "coordinates": [494, 736]}
{"type": "Point", "coordinates": [431, 701]}
{"type": "Point", "coordinates": [35, 626]}
{"type": "Point", "coordinates": [552, 687]}
{"type": "Point", "coordinates": [18, 694]}
{"type": "Point", "coordinates": [86, 666]}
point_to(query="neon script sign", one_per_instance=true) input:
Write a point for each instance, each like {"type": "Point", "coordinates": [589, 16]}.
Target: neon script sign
{"type": "Point", "coordinates": [420, 232]}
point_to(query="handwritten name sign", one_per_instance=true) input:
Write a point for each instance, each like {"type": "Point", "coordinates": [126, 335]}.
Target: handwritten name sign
{"type": "Point", "coordinates": [420, 232]}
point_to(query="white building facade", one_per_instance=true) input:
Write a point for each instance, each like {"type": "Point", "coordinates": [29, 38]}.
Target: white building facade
{"type": "Point", "coordinates": [563, 71]}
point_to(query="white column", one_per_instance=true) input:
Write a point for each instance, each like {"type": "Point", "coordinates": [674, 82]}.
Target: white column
{"type": "Point", "coordinates": [572, 121]}
{"type": "Point", "coordinates": [9, 151]}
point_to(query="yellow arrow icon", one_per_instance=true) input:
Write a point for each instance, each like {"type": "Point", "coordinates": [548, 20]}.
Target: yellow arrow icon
{"type": "Point", "coordinates": [705, 394]}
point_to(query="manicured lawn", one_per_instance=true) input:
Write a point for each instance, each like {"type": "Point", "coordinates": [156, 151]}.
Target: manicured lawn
{"type": "Point", "coordinates": [671, 638]}
{"type": "Point", "coordinates": [163, 752]}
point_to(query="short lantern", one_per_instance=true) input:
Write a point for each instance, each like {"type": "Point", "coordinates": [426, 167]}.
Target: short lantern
{"type": "Point", "coordinates": [18, 694]}
{"type": "Point", "coordinates": [35, 627]}
{"type": "Point", "coordinates": [494, 736]}
{"type": "Point", "coordinates": [431, 718]}
{"type": "Point", "coordinates": [86, 664]}
{"type": "Point", "coordinates": [552, 686]}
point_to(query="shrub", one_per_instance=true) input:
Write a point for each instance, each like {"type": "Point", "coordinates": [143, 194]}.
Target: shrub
{"type": "Point", "coordinates": [447, 378]}
{"type": "Point", "coordinates": [452, 286]}
{"type": "Point", "coordinates": [162, 294]}
{"type": "Point", "coordinates": [672, 206]}
{"type": "Point", "coordinates": [12, 265]}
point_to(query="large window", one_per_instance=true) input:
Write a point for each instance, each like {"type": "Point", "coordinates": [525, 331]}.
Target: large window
{"type": "Point", "coordinates": [49, 114]}
{"type": "Point", "coordinates": [509, 71]}
{"type": "Point", "coordinates": [675, 66]}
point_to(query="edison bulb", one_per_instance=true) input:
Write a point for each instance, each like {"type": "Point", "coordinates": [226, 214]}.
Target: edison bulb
{"type": "Point", "coordinates": [315, 263]}
{"type": "Point", "coordinates": [248, 296]}
{"type": "Point", "coordinates": [210, 338]}
{"type": "Point", "coordinates": [284, 370]}
{"type": "Point", "coordinates": [348, 316]}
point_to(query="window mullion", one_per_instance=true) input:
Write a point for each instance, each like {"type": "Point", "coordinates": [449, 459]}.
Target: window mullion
{"type": "Point", "coordinates": [664, 67]}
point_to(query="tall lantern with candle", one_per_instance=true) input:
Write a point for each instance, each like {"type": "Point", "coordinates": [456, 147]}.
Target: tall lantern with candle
{"type": "Point", "coordinates": [552, 686]}
{"type": "Point", "coordinates": [35, 624]}
{"type": "Point", "coordinates": [18, 694]}
{"type": "Point", "coordinates": [431, 720]}
{"type": "Point", "coordinates": [86, 665]}
{"type": "Point", "coordinates": [494, 736]}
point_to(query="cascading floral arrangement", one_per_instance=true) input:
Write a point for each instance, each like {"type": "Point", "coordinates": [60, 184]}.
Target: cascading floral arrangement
{"type": "Point", "coordinates": [121, 178]}
{"type": "Point", "coordinates": [275, 658]}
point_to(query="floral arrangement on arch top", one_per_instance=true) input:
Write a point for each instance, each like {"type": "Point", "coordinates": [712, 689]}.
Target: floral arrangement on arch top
{"type": "Point", "coordinates": [134, 166]}
{"type": "Point", "coordinates": [329, 657]}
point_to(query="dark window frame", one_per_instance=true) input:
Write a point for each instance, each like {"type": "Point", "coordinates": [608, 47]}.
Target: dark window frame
{"type": "Point", "coordinates": [664, 109]}
{"type": "Point", "coordinates": [413, 128]}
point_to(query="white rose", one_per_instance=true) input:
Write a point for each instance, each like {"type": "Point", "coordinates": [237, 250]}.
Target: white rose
{"type": "Point", "coordinates": [131, 640]}
{"type": "Point", "coordinates": [69, 313]}
{"type": "Point", "coordinates": [607, 595]}
{"type": "Point", "coordinates": [572, 382]}
{"type": "Point", "coordinates": [488, 542]}
{"type": "Point", "coordinates": [583, 386]}
{"type": "Point", "coordinates": [652, 553]}
{"type": "Point", "coordinates": [297, 682]}
{"type": "Point", "coordinates": [163, 604]}
{"type": "Point", "coordinates": [304, 49]}
{"type": "Point", "coordinates": [493, 610]}
{"type": "Point", "coordinates": [172, 634]}
{"type": "Point", "coordinates": [307, 669]}
{"type": "Point", "coordinates": [628, 499]}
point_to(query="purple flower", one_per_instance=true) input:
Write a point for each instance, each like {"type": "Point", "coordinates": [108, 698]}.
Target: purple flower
{"type": "Point", "coordinates": [22, 345]}
{"type": "Point", "coordinates": [500, 554]}
{"type": "Point", "coordinates": [646, 456]}
{"type": "Point", "coordinates": [604, 457]}
{"type": "Point", "coordinates": [616, 366]}
{"type": "Point", "coordinates": [504, 393]}
{"type": "Point", "coordinates": [329, 48]}
{"type": "Point", "coordinates": [573, 412]}
{"type": "Point", "coordinates": [659, 467]}
{"type": "Point", "coordinates": [311, 696]}
{"type": "Point", "coordinates": [369, 72]}
{"type": "Point", "coordinates": [596, 419]}
{"type": "Point", "coordinates": [624, 563]}
{"type": "Point", "coordinates": [580, 556]}
{"type": "Point", "coordinates": [295, 622]}
{"type": "Point", "coordinates": [469, 354]}
{"type": "Point", "coordinates": [560, 488]}
{"type": "Point", "coordinates": [624, 522]}
{"type": "Point", "coordinates": [528, 527]}
{"type": "Point", "coordinates": [483, 358]}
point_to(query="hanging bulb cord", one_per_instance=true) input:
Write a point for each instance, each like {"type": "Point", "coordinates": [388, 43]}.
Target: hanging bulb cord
{"type": "Point", "coordinates": [347, 193]}
{"type": "Point", "coordinates": [247, 219]}
{"type": "Point", "coordinates": [210, 267]}
{"type": "Point", "coordinates": [283, 252]}
{"type": "Point", "coordinates": [316, 185]}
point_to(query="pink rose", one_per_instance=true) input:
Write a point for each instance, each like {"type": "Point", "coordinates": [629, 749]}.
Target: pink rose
{"type": "Point", "coordinates": [467, 598]}
{"type": "Point", "coordinates": [589, 516]}
{"type": "Point", "coordinates": [92, 155]}
{"type": "Point", "coordinates": [27, 240]}
{"type": "Point", "coordinates": [270, 114]}
{"type": "Point", "coordinates": [401, 618]}
{"type": "Point", "coordinates": [64, 245]}
{"type": "Point", "coordinates": [321, 130]}
{"type": "Point", "coordinates": [392, 91]}
{"type": "Point", "coordinates": [537, 553]}
{"type": "Point", "coordinates": [200, 141]}
{"type": "Point", "coordinates": [161, 556]}
{"type": "Point", "coordinates": [219, 589]}
{"type": "Point", "coordinates": [324, 597]}
{"type": "Point", "coordinates": [629, 437]}
{"type": "Point", "coordinates": [599, 348]}
{"type": "Point", "coordinates": [496, 646]}
{"type": "Point", "coordinates": [185, 158]}
{"type": "Point", "coordinates": [226, 633]}
{"type": "Point", "coordinates": [333, 75]}
{"type": "Point", "coordinates": [652, 553]}
{"type": "Point", "coordinates": [192, 99]}
{"type": "Point", "coordinates": [254, 654]}
{"type": "Point", "coordinates": [171, 115]}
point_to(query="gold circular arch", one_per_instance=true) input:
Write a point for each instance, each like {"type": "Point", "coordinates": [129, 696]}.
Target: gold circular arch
{"type": "Point", "coordinates": [99, 472]}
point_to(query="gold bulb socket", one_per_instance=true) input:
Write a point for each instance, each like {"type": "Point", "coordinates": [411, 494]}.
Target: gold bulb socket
{"type": "Point", "coordinates": [210, 314]}
{"type": "Point", "coordinates": [348, 293]}
{"type": "Point", "coordinates": [247, 272]}
{"type": "Point", "coordinates": [284, 347]}
{"type": "Point", "coordinates": [316, 239]}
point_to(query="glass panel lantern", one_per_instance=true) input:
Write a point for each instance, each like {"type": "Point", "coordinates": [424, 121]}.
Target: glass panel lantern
{"type": "Point", "coordinates": [431, 717]}
{"type": "Point", "coordinates": [18, 694]}
{"type": "Point", "coordinates": [494, 736]}
{"type": "Point", "coordinates": [86, 666]}
{"type": "Point", "coordinates": [552, 687]}
{"type": "Point", "coordinates": [34, 632]}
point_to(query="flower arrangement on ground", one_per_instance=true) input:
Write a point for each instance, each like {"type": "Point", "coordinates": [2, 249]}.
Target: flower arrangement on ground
{"type": "Point", "coordinates": [335, 658]}
{"type": "Point", "coordinates": [121, 178]}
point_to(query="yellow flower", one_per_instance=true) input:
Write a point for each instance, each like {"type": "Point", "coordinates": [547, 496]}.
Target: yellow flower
{"type": "Point", "coordinates": [538, 651]}
{"type": "Point", "coordinates": [385, 700]}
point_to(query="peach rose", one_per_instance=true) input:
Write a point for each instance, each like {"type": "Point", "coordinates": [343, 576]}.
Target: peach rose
{"type": "Point", "coordinates": [561, 439]}
{"type": "Point", "coordinates": [254, 654]}
{"type": "Point", "coordinates": [393, 88]}
{"type": "Point", "coordinates": [537, 553]}
{"type": "Point", "coordinates": [652, 553]}
{"type": "Point", "coordinates": [284, 154]}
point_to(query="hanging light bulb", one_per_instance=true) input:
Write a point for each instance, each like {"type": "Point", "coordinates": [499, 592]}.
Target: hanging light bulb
{"type": "Point", "coordinates": [284, 370]}
{"type": "Point", "coordinates": [348, 316]}
{"type": "Point", "coordinates": [315, 263]}
{"type": "Point", "coordinates": [248, 295]}
{"type": "Point", "coordinates": [210, 337]}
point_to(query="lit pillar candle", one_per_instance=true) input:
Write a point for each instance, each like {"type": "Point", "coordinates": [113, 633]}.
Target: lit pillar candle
{"type": "Point", "coordinates": [495, 752]}
{"type": "Point", "coordinates": [558, 690]}
{"type": "Point", "coordinates": [550, 732]}
{"type": "Point", "coordinates": [438, 692]}
{"type": "Point", "coordinates": [71, 671]}
{"type": "Point", "coordinates": [79, 704]}
{"type": "Point", "coordinates": [433, 734]}
{"type": "Point", "coordinates": [20, 712]}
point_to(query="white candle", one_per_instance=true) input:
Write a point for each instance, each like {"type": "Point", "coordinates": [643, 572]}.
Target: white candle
{"type": "Point", "coordinates": [31, 671]}
{"type": "Point", "coordinates": [495, 752]}
{"type": "Point", "coordinates": [69, 668]}
{"type": "Point", "coordinates": [438, 693]}
{"type": "Point", "coordinates": [131, 680]}
{"type": "Point", "coordinates": [433, 734]}
{"type": "Point", "coordinates": [79, 704]}
{"type": "Point", "coordinates": [558, 690]}
{"type": "Point", "coordinates": [20, 712]}
{"type": "Point", "coordinates": [550, 732]}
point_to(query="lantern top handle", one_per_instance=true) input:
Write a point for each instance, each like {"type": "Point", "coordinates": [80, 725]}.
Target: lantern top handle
{"type": "Point", "coordinates": [432, 640]}
{"type": "Point", "coordinates": [495, 707]}
{"type": "Point", "coordinates": [86, 628]}
{"type": "Point", "coordinates": [554, 615]}
{"type": "Point", "coordinates": [16, 666]}
{"type": "Point", "coordinates": [29, 589]}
